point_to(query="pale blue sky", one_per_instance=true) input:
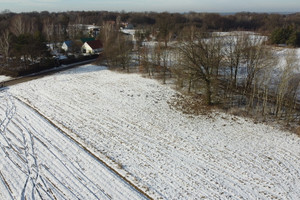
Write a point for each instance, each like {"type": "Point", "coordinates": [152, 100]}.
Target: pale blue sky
{"type": "Point", "coordinates": [153, 5]}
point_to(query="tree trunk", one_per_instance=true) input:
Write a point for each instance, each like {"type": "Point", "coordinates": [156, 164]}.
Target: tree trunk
{"type": "Point", "coordinates": [208, 92]}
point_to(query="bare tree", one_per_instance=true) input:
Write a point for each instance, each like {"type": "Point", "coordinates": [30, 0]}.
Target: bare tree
{"type": "Point", "coordinates": [5, 44]}
{"type": "Point", "coordinates": [166, 59]}
{"type": "Point", "coordinates": [107, 32]}
{"type": "Point", "coordinates": [148, 60]}
{"type": "Point", "coordinates": [184, 75]}
{"type": "Point", "coordinates": [258, 87]}
{"type": "Point", "coordinates": [291, 98]}
{"type": "Point", "coordinates": [19, 24]}
{"type": "Point", "coordinates": [203, 56]}
{"type": "Point", "coordinates": [75, 29]}
{"type": "Point", "coordinates": [234, 47]}
{"type": "Point", "coordinates": [154, 59]}
{"type": "Point", "coordinates": [116, 47]}
{"type": "Point", "coordinates": [48, 28]}
{"type": "Point", "coordinates": [124, 48]}
{"type": "Point", "coordinates": [283, 87]}
{"type": "Point", "coordinates": [265, 83]}
{"type": "Point", "coordinates": [145, 64]}
{"type": "Point", "coordinates": [165, 24]}
{"type": "Point", "coordinates": [254, 55]}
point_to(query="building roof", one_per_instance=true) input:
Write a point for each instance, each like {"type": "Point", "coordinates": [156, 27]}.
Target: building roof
{"type": "Point", "coordinates": [83, 40]}
{"type": "Point", "coordinates": [68, 43]}
{"type": "Point", "coordinates": [96, 44]}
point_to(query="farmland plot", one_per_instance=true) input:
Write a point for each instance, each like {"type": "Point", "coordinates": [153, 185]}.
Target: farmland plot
{"type": "Point", "coordinates": [126, 120]}
{"type": "Point", "coordinates": [40, 162]}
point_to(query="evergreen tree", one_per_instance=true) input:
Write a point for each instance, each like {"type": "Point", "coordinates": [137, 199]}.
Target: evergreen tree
{"type": "Point", "coordinates": [286, 35]}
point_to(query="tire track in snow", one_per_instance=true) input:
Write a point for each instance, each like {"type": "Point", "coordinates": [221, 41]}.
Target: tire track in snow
{"type": "Point", "coordinates": [31, 161]}
{"type": "Point", "coordinates": [40, 181]}
{"type": "Point", "coordinates": [69, 169]}
{"type": "Point", "coordinates": [28, 149]}
{"type": "Point", "coordinates": [89, 152]}
{"type": "Point", "coordinates": [7, 187]}
{"type": "Point", "coordinates": [9, 113]}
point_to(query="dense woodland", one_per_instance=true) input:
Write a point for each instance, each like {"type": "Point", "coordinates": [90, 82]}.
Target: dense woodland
{"type": "Point", "coordinates": [20, 32]}
{"type": "Point", "coordinates": [201, 63]}
{"type": "Point", "coordinates": [53, 27]}
{"type": "Point", "coordinates": [55, 24]}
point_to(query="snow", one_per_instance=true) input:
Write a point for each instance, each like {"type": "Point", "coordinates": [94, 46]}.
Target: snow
{"type": "Point", "coordinates": [4, 78]}
{"type": "Point", "coordinates": [62, 57]}
{"type": "Point", "coordinates": [128, 31]}
{"type": "Point", "coordinates": [126, 120]}
{"type": "Point", "coordinates": [39, 162]}
{"type": "Point", "coordinates": [233, 33]}
{"type": "Point", "coordinates": [282, 53]}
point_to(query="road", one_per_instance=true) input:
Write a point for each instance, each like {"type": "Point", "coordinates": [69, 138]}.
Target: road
{"type": "Point", "coordinates": [43, 73]}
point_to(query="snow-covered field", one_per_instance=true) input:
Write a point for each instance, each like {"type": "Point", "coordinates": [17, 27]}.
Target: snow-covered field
{"type": "Point", "coordinates": [126, 120]}
{"type": "Point", "coordinates": [39, 162]}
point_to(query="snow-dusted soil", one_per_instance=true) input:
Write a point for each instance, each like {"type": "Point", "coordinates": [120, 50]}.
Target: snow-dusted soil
{"type": "Point", "coordinates": [40, 162]}
{"type": "Point", "coordinates": [126, 120]}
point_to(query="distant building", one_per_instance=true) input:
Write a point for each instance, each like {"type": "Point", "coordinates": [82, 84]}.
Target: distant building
{"type": "Point", "coordinates": [91, 30]}
{"type": "Point", "coordinates": [128, 29]}
{"type": "Point", "coordinates": [92, 47]}
{"type": "Point", "coordinates": [129, 26]}
{"type": "Point", "coordinates": [66, 46]}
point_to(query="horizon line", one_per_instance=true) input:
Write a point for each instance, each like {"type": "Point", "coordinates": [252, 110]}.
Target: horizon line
{"type": "Point", "coordinates": [183, 12]}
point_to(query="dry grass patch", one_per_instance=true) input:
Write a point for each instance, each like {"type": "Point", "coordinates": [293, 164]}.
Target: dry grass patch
{"type": "Point", "coordinates": [191, 104]}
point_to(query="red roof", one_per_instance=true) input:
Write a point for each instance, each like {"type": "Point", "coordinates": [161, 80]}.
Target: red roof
{"type": "Point", "coordinates": [96, 44]}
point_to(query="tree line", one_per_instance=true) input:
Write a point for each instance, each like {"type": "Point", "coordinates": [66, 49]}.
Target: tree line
{"type": "Point", "coordinates": [18, 30]}
{"type": "Point", "coordinates": [235, 70]}
{"type": "Point", "coordinates": [258, 22]}
{"type": "Point", "coordinates": [54, 27]}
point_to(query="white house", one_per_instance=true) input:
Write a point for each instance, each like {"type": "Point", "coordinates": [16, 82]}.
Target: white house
{"type": "Point", "coordinates": [130, 32]}
{"type": "Point", "coordinates": [66, 45]}
{"type": "Point", "coordinates": [92, 47]}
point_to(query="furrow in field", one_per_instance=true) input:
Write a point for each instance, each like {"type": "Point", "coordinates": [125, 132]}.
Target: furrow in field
{"type": "Point", "coordinates": [127, 119]}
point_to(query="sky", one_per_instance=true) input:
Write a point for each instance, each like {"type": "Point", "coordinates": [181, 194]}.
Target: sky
{"type": "Point", "coordinates": [152, 5]}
